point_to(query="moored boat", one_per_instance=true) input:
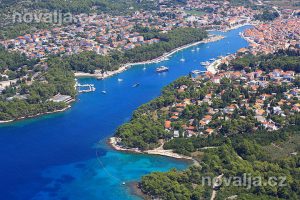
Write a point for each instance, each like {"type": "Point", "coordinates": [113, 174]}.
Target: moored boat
{"type": "Point", "coordinates": [196, 71]}
{"type": "Point", "coordinates": [162, 69]}
{"type": "Point", "coordinates": [205, 63]}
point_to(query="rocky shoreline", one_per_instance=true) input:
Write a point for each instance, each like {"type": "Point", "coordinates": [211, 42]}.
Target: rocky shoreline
{"type": "Point", "coordinates": [37, 115]}
{"type": "Point", "coordinates": [136, 190]}
{"type": "Point", "coordinates": [113, 142]}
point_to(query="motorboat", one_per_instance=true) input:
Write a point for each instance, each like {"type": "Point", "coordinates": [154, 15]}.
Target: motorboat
{"type": "Point", "coordinates": [196, 72]}
{"type": "Point", "coordinates": [162, 69]}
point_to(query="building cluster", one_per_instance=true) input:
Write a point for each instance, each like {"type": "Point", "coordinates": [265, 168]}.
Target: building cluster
{"type": "Point", "coordinates": [99, 33]}
{"type": "Point", "coordinates": [278, 34]}
{"type": "Point", "coordinates": [264, 105]}
{"type": "Point", "coordinates": [103, 33]}
{"type": "Point", "coordinates": [220, 14]}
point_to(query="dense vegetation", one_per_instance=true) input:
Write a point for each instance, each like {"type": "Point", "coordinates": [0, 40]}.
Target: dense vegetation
{"type": "Point", "coordinates": [30, 99]}
{"type": "Point", "coordinates": [234, 157]}
{"type": "Point", "coordinates": [175, 38]}
{"type": "Point", "coordinates": [266, 16]}
{"type": "Point", "coordinates": [15, 30]}
{"type": "Point", "coordinates": [10, 63]}
{"type": "Point", "coordinates": [135, 133]}
{"type": "Point", "coordinates": [24, 100]}
{"type": "Point", "coordinates": [237, 148]}
{"type": "Point", "coordinates": [285, 60]}
{"type": "Point", "coordinates": [187, 146]}
{"type": "Point", "coordinates": [90, 61]}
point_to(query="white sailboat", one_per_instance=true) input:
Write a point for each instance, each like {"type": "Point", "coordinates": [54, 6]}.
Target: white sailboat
{"type": "Point", "coordinates": [196, 72]}
{"type": "Point", "coordinates": [182, 58]}
{"type": "Point", "coordinates": [104, 88]}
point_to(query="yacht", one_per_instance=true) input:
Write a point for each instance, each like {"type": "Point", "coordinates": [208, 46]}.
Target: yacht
{"type": "Point", "coordinates": [196, 71]}
{"type": "Point", "coordinates": [205, 63]}
{"type": "Point", "coordinates": [182, 58]}
{"type": "Point", "coordinates": [162, 69]}
{"type": "Point", "coordinates": [120, 80]}
{"type": "Point", "coordinates": [103, 92]}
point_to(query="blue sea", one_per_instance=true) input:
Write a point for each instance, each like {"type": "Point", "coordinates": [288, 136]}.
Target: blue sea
{"type": "Point", "coordinates": [65, 155]}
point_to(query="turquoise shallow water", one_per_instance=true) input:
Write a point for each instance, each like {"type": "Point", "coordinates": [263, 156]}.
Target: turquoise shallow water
{"type": "Point", "coordinates": [64, 156]}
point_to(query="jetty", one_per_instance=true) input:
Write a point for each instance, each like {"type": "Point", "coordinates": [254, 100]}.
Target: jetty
{"type": "Point", "coordinates": [83, 88]}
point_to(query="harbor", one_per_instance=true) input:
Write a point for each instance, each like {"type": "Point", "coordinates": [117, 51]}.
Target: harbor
{"type": "Point", "coordinates": [100, 76]}
{"type": "Point", "coordinates": [65, 152]}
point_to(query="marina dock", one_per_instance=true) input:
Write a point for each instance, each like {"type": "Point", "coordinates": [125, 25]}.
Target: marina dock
{"type": "Point", "coordinates": [84, 88]}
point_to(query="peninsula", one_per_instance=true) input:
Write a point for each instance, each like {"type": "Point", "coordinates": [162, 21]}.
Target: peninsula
{"type": "Point", "coordinates": [225, 122]}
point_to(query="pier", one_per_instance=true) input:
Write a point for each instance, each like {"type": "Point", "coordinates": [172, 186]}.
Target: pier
{"type": "Point", "coordinates": [83, 88]}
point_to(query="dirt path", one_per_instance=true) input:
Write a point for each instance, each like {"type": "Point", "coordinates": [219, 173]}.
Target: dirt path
{"type": "Point", "coordinates": [215, 186]}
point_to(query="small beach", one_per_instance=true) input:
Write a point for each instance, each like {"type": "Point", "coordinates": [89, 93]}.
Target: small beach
{"type": "Point", "coordinates": [113, 142]}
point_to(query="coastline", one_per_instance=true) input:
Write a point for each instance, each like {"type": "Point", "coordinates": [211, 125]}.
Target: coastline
{"type": "Point", "coordinates": [238, 26]}
{"type": "Point", "coordinates": [120, 70]}
{"type": "Point", "coordinates": [159, 59]}
{"type": "Point", "coordinates": [37, 115]}
{"type": "Point", "coordinates": [136, 190]}
{"type": "Point", "coordinates": [124, 67]}
{"type": "Point", "coordinates": [113, 142]}
{"type": "Point", "coordinates": [211, 68]}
